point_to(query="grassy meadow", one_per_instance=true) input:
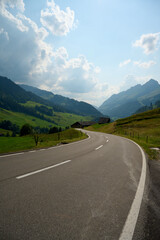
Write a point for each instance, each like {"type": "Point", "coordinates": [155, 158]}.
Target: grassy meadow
{"type": "Point", "coordinates": [61, 119]}
{"type": "Point", "coordinates": [14, 144]}
{"type": "Point", "coordinates": [143, 128]}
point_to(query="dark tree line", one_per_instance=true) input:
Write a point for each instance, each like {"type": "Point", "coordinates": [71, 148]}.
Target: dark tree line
{"type": "Point", "coordinates": [44, 110]}
{"type": "Point", "coordinates": [55, 130]}
{"type": "Point", "coordinates": [8, 125]}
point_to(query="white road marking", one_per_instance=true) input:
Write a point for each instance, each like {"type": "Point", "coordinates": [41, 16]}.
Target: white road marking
{"type": "Point", "coordinates": [42, 149]}
{"type": "Point", "coordinates": [41, 170]}
{"type": "Point", "coordinates": [10, 155]}
{"type": "Point", "coordinates": [50, 148]}
{"type": "Point", "coordinates": [99, 147]}
{"type": "Point", "coordinates": [130, 224]}
{"type": "Point", "coordinates": [32, 151]}
{"type": "Point", "coordinates": [107, 141]}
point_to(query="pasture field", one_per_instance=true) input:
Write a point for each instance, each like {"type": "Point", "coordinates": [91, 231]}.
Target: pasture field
{"type": "Point", "coordinates": [143, 128]}
{"type": "Point", "coordinates": [14, 144]}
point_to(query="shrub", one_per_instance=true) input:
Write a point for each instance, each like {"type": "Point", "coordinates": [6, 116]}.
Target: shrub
{"type": "Point", "coordinates": [25, 130]}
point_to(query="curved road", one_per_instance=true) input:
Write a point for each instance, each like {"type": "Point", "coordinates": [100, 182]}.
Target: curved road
{"type": "Point", "coordinates": [82, 190]}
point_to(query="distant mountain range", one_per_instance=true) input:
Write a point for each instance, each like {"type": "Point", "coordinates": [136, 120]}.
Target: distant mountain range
{"type": "Point", "coordinates": [74, 106]}
{"type": "Point", "coordinates": [128, 102]}
{"type": "Point", "coordinates": [13, 97]}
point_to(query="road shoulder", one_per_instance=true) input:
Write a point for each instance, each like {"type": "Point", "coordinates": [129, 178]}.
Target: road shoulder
{"type": "Point", "coordinates": [152, 229]}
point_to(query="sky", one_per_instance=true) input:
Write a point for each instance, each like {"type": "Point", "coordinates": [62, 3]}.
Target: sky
{"type": "Point", "coordinates": [83, 49]}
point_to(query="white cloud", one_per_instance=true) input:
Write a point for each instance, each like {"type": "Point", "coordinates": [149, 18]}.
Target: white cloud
{"type": "Point", "coordinates": [3, 33]}
{"type": "Point", "coordinates": [144, 64]}
{"type": "Point", "coordinates": [149, 42]}
{"type": "Point", "coordinates": [132, 80]}
{"type": "Point", "coordinates": [57, 21]}
{"type": "Point", "coordinates": [73, 75]}
{"type": "Point", "coordinates": [122, 64]}
{"type": "Point", "coordinates": [96, 96]}
{"type": "Point", "coordinates": [27, 58]}
{"type": "Point", "coordinates": [10, 18]}
{"type": "Point", "coordinates": [19, 4]}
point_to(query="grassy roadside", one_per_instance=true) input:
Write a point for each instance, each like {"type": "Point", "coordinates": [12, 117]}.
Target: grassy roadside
{"type": "Point", "coordinates": [14, 144]}
{"type": "Point", "coordinates": [143, 128]}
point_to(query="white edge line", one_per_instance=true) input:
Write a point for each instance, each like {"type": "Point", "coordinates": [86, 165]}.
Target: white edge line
{"type": "Point", "coordinates": [130, 224]}
{"type": "Point", "coordinates": [98, 147]}
{"type": "Point", "coordinates": [41, 170]}
{"type": "Point", "coordinates": [10, 155]}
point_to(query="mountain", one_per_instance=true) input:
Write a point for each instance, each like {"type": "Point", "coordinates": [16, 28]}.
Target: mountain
{"type": "Point", "coordinates": [77, 107]}
{"type": "Point", "coordinates": [20, 106]}
{"type": "Point", "coordinates": [12, 97]}
{"type": "Point", "coordinates": [128, 102]}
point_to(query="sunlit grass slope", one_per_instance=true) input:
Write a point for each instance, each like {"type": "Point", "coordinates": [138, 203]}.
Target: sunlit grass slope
{"type": "Point", "coordinates": [13, 144]}
{"type": "Point", "coordinates": [144, 128]}
{"type": "Point", "coordinates": [60, 119]}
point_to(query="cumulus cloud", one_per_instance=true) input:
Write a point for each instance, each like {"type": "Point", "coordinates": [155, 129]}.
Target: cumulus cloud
{"type": "Point", "coordinates": [73, 75]}
{"type": "Point", "coordinates": [149, 42]}
{"type": "Point", "coordinates": [144, 64]}
{"type": "Point", "coordinates": [19, 4]}
{"type": "Point", "coordinates": [122, 64]}
{"type": "Point", "coordinates": [57, 21]}
{"type": "Point", "coordinates": [7, 16]}
{"type": "Point", "coordinates": [27, 58]}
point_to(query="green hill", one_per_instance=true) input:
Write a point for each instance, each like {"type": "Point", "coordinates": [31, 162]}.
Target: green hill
{"type": "Point", "coordinates": [20, 106]}
{"type": "Point", "coordinates": [144, 128]}
{"type": "Point", "coordinates": [74, 106]}
{"type": "Point", "coordinates": [58, 119]}
{"type": "Point", "coordinates": [11, 95]}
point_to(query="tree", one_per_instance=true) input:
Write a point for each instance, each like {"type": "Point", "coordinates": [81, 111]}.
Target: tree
{"type": "Point", "coordinates": [36, 138]}
{"type": "Point", "coordinates": [13, 134]}
{"type": "Point", "coordinates": [25, 130]}
{"type": "Point", "coordinates": [53, 130]}
{"type": "Point", "coordinates": [60, 129]}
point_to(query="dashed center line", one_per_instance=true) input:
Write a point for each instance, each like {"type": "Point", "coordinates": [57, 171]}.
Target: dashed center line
{"type": "Point", "coordinates": [99, 147]}
{"type": "Point", "coordinates": [41, 170]}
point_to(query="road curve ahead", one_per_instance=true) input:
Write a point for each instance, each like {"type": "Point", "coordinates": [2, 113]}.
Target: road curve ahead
{"type": "Point", "coordinates": [80, 191]}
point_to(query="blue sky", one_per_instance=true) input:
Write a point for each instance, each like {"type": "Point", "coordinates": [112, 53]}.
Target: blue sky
{"type": "Point", "coordinates": [87, 50]}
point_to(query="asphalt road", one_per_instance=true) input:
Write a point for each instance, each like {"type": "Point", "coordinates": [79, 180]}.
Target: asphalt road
{"type": "Point", "coordinates": [82, 190]}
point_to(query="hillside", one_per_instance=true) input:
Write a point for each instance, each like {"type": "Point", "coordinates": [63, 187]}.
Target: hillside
{"type": "Point", "coordinates": [143, 128]}
{"type": "Point", "coordinates": [12, 96]}
{"type": "Point", "coordinates": [77, 107]}
{"type": "Point", "coordinates": [128, 102]}
{"type": "Point", "coordinates": [147, 108]}
{"type": "Point", "coordinates": [58, 119]}
{"type": "Point", "coordinates": [20, 106]}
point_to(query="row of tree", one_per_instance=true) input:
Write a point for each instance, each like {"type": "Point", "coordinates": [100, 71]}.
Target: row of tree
{"type": "Point", "coordinates": [27, 129]}
{"type": "Point", "coordinates": [8, 125]}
